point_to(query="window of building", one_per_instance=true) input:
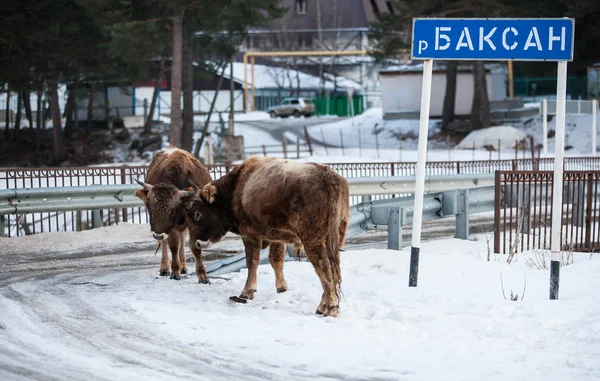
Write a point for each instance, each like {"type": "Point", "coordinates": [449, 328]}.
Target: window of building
{"type": "Point", "coordinates": [301, 7]}
{"type": "Point", "coordinates": [375, 6]}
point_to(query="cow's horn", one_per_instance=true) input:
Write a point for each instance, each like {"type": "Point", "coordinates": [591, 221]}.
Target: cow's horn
{"type": "Point", "coordinates": [183, 193]}
{"type": "Point", "coordinates": [194, 186]}
{"type": "Point", "coordinates": [145, 185]}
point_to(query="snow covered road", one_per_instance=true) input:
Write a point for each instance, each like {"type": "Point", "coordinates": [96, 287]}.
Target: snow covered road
{"type": "Point", "coordinates": [125, 323]}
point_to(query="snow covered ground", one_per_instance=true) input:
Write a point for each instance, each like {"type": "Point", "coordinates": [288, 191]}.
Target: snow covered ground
{"type": "Point", "coordinates": [110, 323]}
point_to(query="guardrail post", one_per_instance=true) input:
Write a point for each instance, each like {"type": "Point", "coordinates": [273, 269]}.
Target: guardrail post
{"type": "Point", "coordinates": [462, 214]}
{"type": "Point", "coordinates": [395, 221]}
{"type": "Point", "coordinates": [2, 226]}
{"type": "Point", "coordinates": [96, 219]}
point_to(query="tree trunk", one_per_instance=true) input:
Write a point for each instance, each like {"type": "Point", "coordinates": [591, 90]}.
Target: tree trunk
{"type": "Point", "coordinates": [175, 138]}
{"type": "Point", "coordinates": [187, 132]}
{"type": "Point", "coordinates": [90, 116]}
{"type": "Point", "coordinates": [38, 120]}
{"type": "Point", "coordinates": [69, 113]}
{"type": "Point", "coordinates": [27, 104]}
{"type": "Point", "coordinates": [59, 149]}
{"type": "Point", "coordinates": [18, 116]}
{"type": "Point", "coordinates": [212, 106]}
{"type": "Point", "coordinates": [480, 111]}
{"type": "Point", "coordinates": [231, 98]}
{"type": "Point", "coordinates": [148, 126]}
{"type": "Point", "coordinates": [297, 79]}
{"type": "Point", "coordinates": [7, 117]}
{"type": "Point", "coordinates": [450, 95]}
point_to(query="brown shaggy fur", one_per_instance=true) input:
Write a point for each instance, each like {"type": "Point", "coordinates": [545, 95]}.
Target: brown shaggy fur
{"type": "Point", "coordinates": [168, 174]}
{"type": "Point", "coordinates": [272, 202]}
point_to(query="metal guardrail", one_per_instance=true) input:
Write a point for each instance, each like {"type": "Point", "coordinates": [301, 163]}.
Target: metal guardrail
{"type": "Point", "coordinates": [44, 200]}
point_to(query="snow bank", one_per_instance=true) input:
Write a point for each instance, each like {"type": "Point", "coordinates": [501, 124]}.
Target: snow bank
{"type": "Point", "coordinates": [505, 135]}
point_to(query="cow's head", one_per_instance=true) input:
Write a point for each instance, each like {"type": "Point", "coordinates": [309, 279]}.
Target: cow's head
{"type": "Point", "coordinates": [209, 221]}
{"type": "Point", "coordinates": [166, 206]}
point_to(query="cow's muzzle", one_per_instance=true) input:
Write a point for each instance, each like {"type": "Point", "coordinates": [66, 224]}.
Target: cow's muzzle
{"type": "Point", "coordinates": [159, 237]}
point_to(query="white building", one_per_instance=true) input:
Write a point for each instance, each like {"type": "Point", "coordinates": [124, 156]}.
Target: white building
{"type": "Point", "coordinates": [401, 88]}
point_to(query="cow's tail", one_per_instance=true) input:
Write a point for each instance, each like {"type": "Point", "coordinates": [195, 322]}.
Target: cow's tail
{"type": "Point", "coordinates": [332, 247]}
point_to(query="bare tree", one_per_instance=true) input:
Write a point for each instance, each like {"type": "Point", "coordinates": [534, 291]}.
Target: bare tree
{"type": "Point", "coordinates": [157, 84]}
{"type": "Point", "coordinates": [188, 93]}
{"type": "Point", "coordinates": [175, 136]}
{"type": "Point", "coordinates": [59, 149]}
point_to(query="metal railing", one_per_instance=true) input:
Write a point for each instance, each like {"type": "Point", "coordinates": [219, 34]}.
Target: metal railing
{"type": "Point", "coordinates": [99, 205]}
{"type": "Point", "coordinates": [75, 220]}
{"type": "Point", "coordinates": [523, 211]}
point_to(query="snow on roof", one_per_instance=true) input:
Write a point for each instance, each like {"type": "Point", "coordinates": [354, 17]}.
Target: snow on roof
{"type": "Point", "coordinates": [417, 66]}
{"type": "Point", "coordinates": [271, 77]}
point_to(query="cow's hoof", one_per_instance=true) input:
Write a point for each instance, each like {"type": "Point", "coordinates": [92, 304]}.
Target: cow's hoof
{"type": "Point", "coordinates": [176, 277]}
{"type": "Point", "coordinates": [164, 273]}
{"type": "Point", "coordinates": [237, 299]}
{"type": "Point", "coordinates": [203, 281]}
{"type": "Point", "coordinates": [281, 289]}
{"type": "Point", "coordinates": [184, 271]}
{"type": "Point", "coordinates": [332, 311]}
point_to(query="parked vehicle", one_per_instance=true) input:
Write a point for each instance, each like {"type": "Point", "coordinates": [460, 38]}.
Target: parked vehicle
{"type": "Point", "coordinates": [292, 107]}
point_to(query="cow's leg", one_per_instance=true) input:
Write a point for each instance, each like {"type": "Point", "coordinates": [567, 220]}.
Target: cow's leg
{"type": "Point", "coordinates": [276, 256]}
{"type": "Point", "coordinates": [317, 255]}
{"type": "Point", "coordinates": [174, 240]}
{"type": "Point", "coordinates": [165, 264]}
{"type": "Point", "coordinates": [200, 270]}
{"type": "Point", "coordinates": [182, 237]}
{"type": "Point", "coordinates": [252, 260]}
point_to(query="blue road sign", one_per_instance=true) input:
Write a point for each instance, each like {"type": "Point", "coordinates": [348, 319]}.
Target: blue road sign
{"type": "Point", "coordinates": [493, 39]}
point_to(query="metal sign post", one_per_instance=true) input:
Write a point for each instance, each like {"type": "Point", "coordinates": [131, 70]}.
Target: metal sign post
{"type": "Point", "coordinates": [492, 40]}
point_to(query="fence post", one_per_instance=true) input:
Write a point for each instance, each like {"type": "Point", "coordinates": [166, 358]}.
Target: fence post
{"type": "Point", "coordinates": [96, 219]}
{"type": "Point", "coordinates": [297, 147]}
{"type": "Point", "coordinates": [462, 214]}
{"type": "Point", "coordinates": [366, 198]}
{"type": "Point", "coordinates": [145, 110]}
{"type": "Point", "coordinates": [2, 226]}
{"type": "Point", "coordinates": [308, 141]}
{"type": "Point", "coordinates": [123, 181]}
{"type": "Point", "coordinates": [78, 222]}
{"type": "Point", "coordinates": [264, 150]}
{"type": "Point", "coordinates": [589, 212]}
{"type": "Point", "coordinates": [497, 203]}
{"type": "Point", "coordinates": [284, 145]}
{"type": "Point", "coordinates": [526, 210]}
{"type": "Point", "coordinates": [578, 197]}
{"type": "Point", "coordinates": [396, 219]}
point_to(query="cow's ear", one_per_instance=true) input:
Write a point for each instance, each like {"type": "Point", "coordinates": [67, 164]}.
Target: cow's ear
{"type": "Point", "coordinates": [142, 194]}
{"type": "Point", "coordinates": [208, 193]}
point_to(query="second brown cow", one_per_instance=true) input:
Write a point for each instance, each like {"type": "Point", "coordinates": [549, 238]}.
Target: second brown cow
{"type": "Point", "coordinates": [273, 202]}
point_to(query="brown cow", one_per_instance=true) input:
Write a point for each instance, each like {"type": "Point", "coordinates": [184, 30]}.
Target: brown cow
{"type": "Point", "coordinates": [166, 198]}
{"type": "Point", "coordinates": [271, 202]}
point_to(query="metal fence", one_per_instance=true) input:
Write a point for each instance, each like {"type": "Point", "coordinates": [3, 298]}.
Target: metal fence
{"type": "Point", "coordinates": [523, 211]}
{"type": "Point", "coordinates": [11, 178]}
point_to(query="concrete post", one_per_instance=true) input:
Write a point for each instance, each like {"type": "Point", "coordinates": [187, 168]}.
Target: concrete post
{"type": "Point", "coordinates": [462, 214]}
{"type": "Point", "coordinates": [96, 219]}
